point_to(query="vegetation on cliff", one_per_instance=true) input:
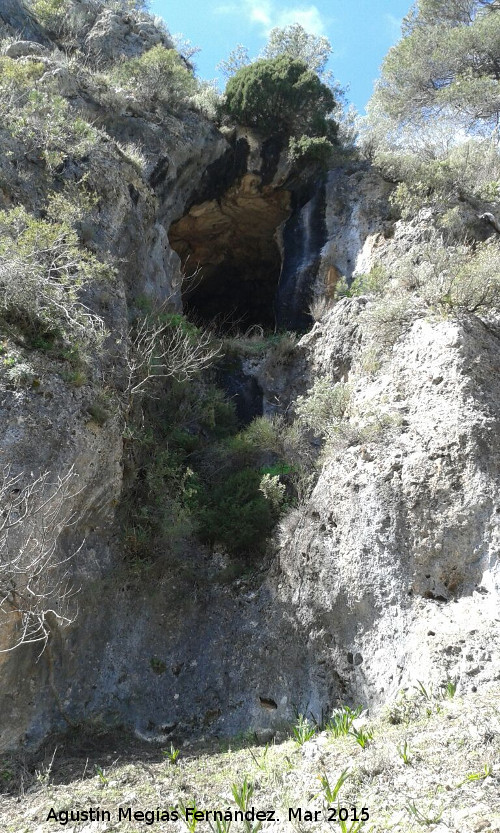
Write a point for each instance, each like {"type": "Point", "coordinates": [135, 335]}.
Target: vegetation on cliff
{"type": "Point", "coordinates": [432, 130]}
{"type": "Point", "coordinates": [280, 95]}
{"type": "Point", "coordinates": [213, 480]}
{"type": "Point", "coordinates": [83, 187]}
{"type": "Point", "coordinates": [287, 92]}
{"type": "Point", "coordinates": [434, 114]}
{"type": "Point", "coordinates": [446, 67]}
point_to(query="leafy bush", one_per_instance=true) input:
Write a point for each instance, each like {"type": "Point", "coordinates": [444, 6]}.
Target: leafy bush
{"type": "Point", "coordinates": [469, 172]}
{"type": "Point", "coordinates": [35, 114]}
{"type": "Point", "coordinates": [280, 96]}
{"type": "Point", "coordinates": [16, 83]}
{"type": "Point", "coordinates": [261, 436]}
{"type": "Point", "coordinates": [310, 149]}
{"type": "Point", "coordinates": [76, 202]}
{"type": "Point", "coordinates": [436, 278]}
{"type": "Point", "coordinates": [273, 491]}
{"type": "Point", "coordinates": [55, 14]}
{"type": "Point", "coordinates": [461, 279]}
{"type": "Point", "coordinates": [270, 438]}
{"type": "Point", "coordinates": [46, 127]}
{"type": "Point", "coordinates": [448, 278]}
{"type": "Point", "coordinates": [207, 100]}
{"type": "Point", "coordinates": [50, 13]}
{"type": "Point", "coordinates": [196, 475]}
{"type": "Point", "coordinates": [368, 283]}
{"type": "Point", "coordinates": [390, 317]}
{"type": "Point", "coordinates": [158, 75]}
{"type": "Point", "coordinates": [237, 515]}
{"type": "Point", "coordinates": [324, 406]}
{"type": "Point", "coordinates": [162, 503]}
{"type": "Point", "coordinates": [42, 269]}
{"type": "Point", "coordinates": [189, 479]}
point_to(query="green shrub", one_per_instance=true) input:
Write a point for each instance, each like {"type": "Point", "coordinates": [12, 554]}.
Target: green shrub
{"type": "Point", "coordinates": [50, 13]}
{"type": "Point", "coordinates": [447, 278]}
{"type": "Point", "coordinates": [280, 96]}
{"type": "Point", "coordinates": [217, 413]}
{"type": "Point", "coordinates": [273, 491]}
{"type": "Point", "coordinates": [16, 83]}
{"type": "Point", "coordinates": [311, 149]}
{"type": "Point", "coordinates": [174, 459]}
{"type": "Point", "coordinates": [158, 75]}
{"type": "Point", "coordinates": [54, 14]}
{"type": "Point", "coordinates": [42, 269]}
{"type": "Point", "coordinates": [390, 317]}
{"type": "Point", "coordinates": [195, 475]}
{"type": "Point", "coordinates": [435, 278]}
{"type": "Point", "coordinates": [260, 437]}
{"type": "Point", "coordinates": [162, 505]}
{"type": "Point", "coordinates": [237, 514]}
{"type": "Point", "coordinates": [76, 202]}
{"type": "Point", "coordinates": [323, 408]}
{"type": "Point", "coordinates": [39, 117]}
{"type": "Point", "coordinates": [269, 439]}
{"type": "Point", "coordinates": [461, 279]}
{"type": "Point", "coordinates": [369, 283]}
{"type": "Point", "coordinates": [207, 100]}
{"type": "Point", "coordinates": [453, 183]}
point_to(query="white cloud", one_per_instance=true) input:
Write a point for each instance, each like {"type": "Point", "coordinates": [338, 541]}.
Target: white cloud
{"type": "Point", "coordinates": [394, 25]}
{"type": "Point", "coordinates": [310, 18]}
{"type": "Point", "coordinates": [260, 11]}
{"type": "Point", "coordinates": [270, 13]}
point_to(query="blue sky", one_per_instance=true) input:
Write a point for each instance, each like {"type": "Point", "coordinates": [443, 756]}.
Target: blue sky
{"type": "Point", "coordinates": [360, 31]}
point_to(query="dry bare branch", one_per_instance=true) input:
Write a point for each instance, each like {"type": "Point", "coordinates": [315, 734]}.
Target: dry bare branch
{"type": "Point", "coordinates": [35, 585]}
{"type": "Point", "coordinates": [165, 350]}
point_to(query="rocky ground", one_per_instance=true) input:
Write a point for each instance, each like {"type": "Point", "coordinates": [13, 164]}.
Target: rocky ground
{"type": "Point", "coordinates": [430, 762]}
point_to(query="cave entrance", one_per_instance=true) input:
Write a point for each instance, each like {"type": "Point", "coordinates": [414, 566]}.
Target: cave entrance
{"type": "Point", "coordinates": [230, 245]}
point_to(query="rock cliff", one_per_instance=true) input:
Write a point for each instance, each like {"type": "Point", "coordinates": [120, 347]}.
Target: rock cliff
{"type": "Point", "coordinates": [386, 574]}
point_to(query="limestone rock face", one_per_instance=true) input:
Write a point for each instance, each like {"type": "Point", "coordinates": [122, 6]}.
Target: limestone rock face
{"type": "Point", "coordinates": [357, 216]}
{"type": "Point", "coordinates": [48, 423]}
{"type": "Point", "coordinates": [22, 48]}
{"type": "Point", "coordinates": [16, 21]}
{"type": "Point", "coordinates": [114, 34]}
{"type": "Point", "coordinates": [48, 427]}
{"type": "Point", "coordinates": [388, 574]}
{"type": "Point", "coordinates": [394, 562]}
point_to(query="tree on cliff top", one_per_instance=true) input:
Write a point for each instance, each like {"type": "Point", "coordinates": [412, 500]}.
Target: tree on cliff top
{"type": "Point", "coordinates": [295, 42]}
{"type": "Point", "coordinates": [281, 96]}
{"type": "Point", "coordinates": [447, 64]}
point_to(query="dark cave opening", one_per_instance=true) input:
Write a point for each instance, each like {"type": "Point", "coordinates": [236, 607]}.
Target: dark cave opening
{"type": "Point", "coordinates": [235, 295]}
{"type": "Point", "coordinates": [229, 248]}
